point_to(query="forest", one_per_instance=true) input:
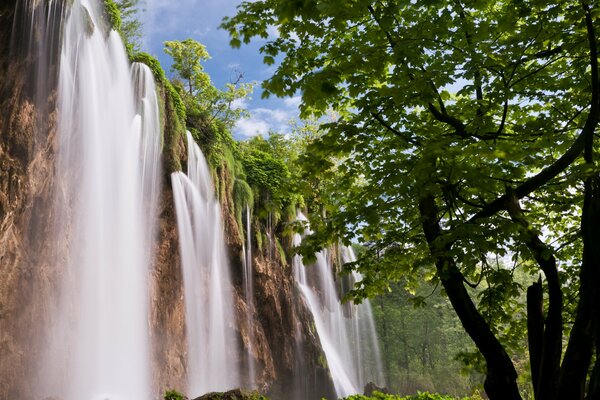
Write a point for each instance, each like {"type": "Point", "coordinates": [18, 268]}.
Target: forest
{"type": "Point", "coordinates": [424, 228]}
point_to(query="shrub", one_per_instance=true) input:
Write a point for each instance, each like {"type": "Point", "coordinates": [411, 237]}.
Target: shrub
{"type": "Point", "coordinates": [420, 396]}
{"type": "Point", "coordinates": [174, 395]}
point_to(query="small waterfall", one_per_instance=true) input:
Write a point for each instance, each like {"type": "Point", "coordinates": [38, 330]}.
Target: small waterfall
{"type": "Point", "coordinates": [249, 293]}
{"type": "Point", "coordinates": [210, 318]}
{"type": "Point", "coordinates": [348, 342]}
{"type": "Point", "coordinates": [108, 147]}
{"type": "Point", "coordinates": [366, 345]}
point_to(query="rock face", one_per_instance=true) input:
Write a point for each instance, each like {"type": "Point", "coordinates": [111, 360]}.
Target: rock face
{"type": "Point", "coordinates": [284, 339]}
{"type": "Point", "coordinates": [232, 395]}
{"type": "Point", "coordinates": [28, 279]}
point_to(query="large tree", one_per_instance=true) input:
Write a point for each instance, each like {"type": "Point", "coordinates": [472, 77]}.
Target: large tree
{"type": "Point", "coordinates": [466, 131]}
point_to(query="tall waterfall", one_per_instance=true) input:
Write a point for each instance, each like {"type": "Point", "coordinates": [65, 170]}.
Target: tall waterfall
{"type": "Point", "coordinates": [349, 341]}
{"type": "Point", "coordinates": [213, 349]}
{"type": "Point", "coordinates": [107, 184]}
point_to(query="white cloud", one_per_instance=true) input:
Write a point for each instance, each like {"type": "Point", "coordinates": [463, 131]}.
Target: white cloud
{"type": "Point", "coordinates": [252, 127]}
{"type": "Point", "coordinates": [264, 120]}
{"type": "Point", "coordinates": [201, 32]}
{"type": "Point", "coordinates": [273, 32]}
{"type": "Point", "coordinates": [293, 102]}
{"type": "Point", "coordinates": [272, 114]}
{"type": "Point", "coordinates": [239, 104]}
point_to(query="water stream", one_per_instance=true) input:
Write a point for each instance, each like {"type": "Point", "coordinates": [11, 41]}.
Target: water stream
{"type": "Point", "coordinates": [210, 319]}
{"type": "Point", "coordinates": [108, 147]}
{"type": "Point", "coordinates": [349, 341]}
{"type": "Point", "coordinates": [249, 294]}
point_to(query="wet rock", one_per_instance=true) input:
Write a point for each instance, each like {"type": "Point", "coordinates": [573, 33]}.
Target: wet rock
{"type": "Point", "coordinates": [236, 394]}
{"type": "Point", "coordinates": [371, 387]}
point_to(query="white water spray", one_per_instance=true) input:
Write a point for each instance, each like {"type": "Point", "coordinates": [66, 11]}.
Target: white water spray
{"type": "Point", "coordinates": [212, 354]}
{"type": "Point", "coordinates": [343, 339]}
{"type": "Point", "coordinates": [108, 148]}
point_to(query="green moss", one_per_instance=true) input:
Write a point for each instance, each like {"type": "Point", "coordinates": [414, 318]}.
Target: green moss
{"type": "Point", "coordinates": [242, 197]}
{"type": "Point", "coordinates": [176, 99]}
{"type": "Point", "coordinates": [174, 132]}
{"type": "Point", "coordinates": [259, 240]}
{"type": "Point", "coordinates": [152, 63]}
{"type": "Point", "coordinates": [322, 361]}
{"type": "Point", "coordinates": [280, 253]}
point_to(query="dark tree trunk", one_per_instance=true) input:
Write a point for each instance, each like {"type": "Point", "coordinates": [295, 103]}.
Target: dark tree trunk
{"type": "Point", "coordinates": [578, 356]}
{"type": "Point", "coordinates": [500, 382]}
{"type": "Point", "coordinates": [535, 331]}
{"type": "Point", "coordinates": [545, 370]}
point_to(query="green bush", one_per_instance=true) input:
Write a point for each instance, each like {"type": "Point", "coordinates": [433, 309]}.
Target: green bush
{"type": "Point", "coordinates": [420, 396]}
{"type": "Point", "coordinates": [174, 395]}
{"type": "Point", "coordinates": [113, 14]}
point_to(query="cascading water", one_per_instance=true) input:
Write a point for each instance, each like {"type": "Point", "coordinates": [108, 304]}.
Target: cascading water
{"type": "Point", "coordinates": [343, 339]}
{"type": "Point", "coordinates": [366, 346]}
{"type": "Point", "coordinates": [210, 319]}
{"type": "Point", "coordinates": [108, 147]}
{"type": "Point", "coordinates": [249, 292]}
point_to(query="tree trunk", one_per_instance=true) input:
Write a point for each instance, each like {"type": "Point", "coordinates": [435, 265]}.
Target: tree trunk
{"type": "Point", "coordinates": [578, 356]}
{"type": "Point", "coordinates": [500, 382]}
{"type": "Point", "coordinates": [535, 332]}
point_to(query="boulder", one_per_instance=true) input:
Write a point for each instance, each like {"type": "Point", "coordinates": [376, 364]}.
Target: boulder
{"type": "Point", "coordinates": [236, 394]}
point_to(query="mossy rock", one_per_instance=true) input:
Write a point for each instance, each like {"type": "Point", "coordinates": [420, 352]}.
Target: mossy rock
{"type": "Point", "coordinates": [236, 394]}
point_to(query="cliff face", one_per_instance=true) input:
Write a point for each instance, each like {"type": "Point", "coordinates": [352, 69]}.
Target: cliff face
{"type": "Point", "coordinates": [287, 353]}
{"type": "Point", "coordinates": [31, 254]}
{"type": "Point", "coordinates": [28, 279]}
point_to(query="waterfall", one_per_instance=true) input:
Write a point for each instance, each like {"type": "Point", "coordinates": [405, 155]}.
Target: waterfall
{"type": "Point", "coordinates": [107, 184]}
{"type": "Point", "coordinates": [249, 292]}
{"type": "Point", "coordinates": [210, 318]}
{"type": "Point", "coordinates": [366, 345]}
{"type": "Point", "coordinates": [347, 341]}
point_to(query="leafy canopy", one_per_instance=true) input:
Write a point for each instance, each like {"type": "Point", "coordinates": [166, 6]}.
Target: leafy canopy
{"type": "Point", "coordinates": [460, 133]}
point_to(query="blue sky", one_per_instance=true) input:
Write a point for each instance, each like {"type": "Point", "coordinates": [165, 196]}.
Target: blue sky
{"type": "Point", "coordinates": [199, 20]}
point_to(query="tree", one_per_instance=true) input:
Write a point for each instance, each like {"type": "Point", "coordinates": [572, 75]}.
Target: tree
{"type": "Point", "coordinates": [466, 130]}
{"type": "Point", "coordinates": [202, 97]}
{"type": "Point", "coordinates": [131, 26]}
{"type": "Point", "coordinates": [187, 58]}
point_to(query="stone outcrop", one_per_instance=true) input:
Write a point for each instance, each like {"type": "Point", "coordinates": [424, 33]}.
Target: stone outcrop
{"type": "Point", "coordinates": [236, 394]}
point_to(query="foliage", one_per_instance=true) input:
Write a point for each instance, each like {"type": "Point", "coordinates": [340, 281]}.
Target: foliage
{"type": "Point", "coordinates": [210, 112]}
{"type": "Point", "coordinates": [187, 57]}
{"type": "Point", "coordinates": [131, 26]}
{"type": "Point", "coordinates": [204, 101]}
{"type": "Point", "coordinates": [420, 340]}
{"type": "Point", "coordinates": [459, 136]}
{"type": "Point", "coordinates": [174, 395]}
{"type": "Point", "coordinates": [152, 63]}
{"type": "Point", "coordinates": [265, 171]}
{"type": "Point", "coordinates": [113, 14]}
{"type": "Point", "coordinates": [420, 396]}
